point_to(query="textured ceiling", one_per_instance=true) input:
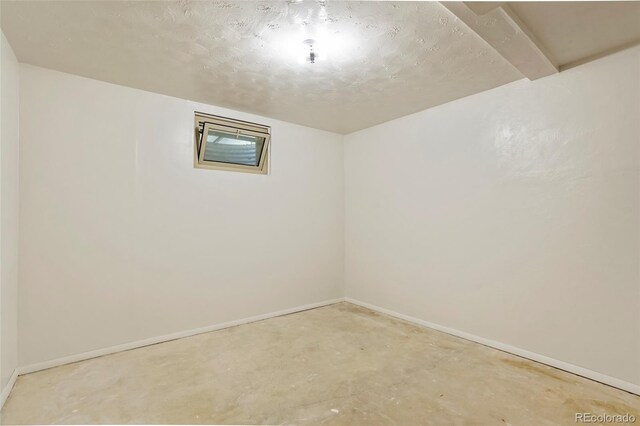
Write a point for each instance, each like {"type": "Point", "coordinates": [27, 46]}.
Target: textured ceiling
{"type": "Point", "coordinates": [385, 59]}
{"type": "Point", "coordinates": [381, 60]}
{"type": "Point", "coordinates": [575, 31]}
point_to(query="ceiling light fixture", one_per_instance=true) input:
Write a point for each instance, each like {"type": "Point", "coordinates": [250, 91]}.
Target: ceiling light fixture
{"type": "Point", "coordinates": [313, 37]}
{"type": "Point", "coordinates": [311, 55]}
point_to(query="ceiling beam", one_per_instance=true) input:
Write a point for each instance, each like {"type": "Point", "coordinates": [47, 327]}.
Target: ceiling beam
{"type": "Point", "coordinates": [499, 26]}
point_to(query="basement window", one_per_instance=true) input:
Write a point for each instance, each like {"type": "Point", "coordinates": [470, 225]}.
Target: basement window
{"type": "Point", "coordinates": [233, 145]}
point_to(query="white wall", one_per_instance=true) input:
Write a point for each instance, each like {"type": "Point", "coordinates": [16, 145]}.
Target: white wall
{"type": "Point", "coordinates": [512, 215]}
{"type": "Point", "coordinates": [9, 126]}
{"type": "Point", "coordinates": [123, 239]}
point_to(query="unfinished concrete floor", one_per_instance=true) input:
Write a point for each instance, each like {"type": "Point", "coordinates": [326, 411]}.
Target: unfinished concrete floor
{"type": "Point", "coordinates": [339, 364]}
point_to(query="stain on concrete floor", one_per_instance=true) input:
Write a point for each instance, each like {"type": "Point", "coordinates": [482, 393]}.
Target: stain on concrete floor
{"type": "Point", "coordinates": [340, 364]}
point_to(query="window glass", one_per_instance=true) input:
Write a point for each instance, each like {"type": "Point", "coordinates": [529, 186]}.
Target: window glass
{"type": "Point", "coordinates": [231, 145]}
{"type": "Point", "coordinates": [234, 149]}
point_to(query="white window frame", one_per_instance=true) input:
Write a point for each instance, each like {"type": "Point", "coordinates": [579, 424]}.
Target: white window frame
{"type": "Point", "coordinates": [205, 122]}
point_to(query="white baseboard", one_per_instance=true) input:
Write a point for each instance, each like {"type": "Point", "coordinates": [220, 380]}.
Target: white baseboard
{"type": "Point", "coordinates": [589, 374]}
{"type": "Point", "coordinates": [159, 339]}
{"type": "Point", "coordinates": [593, 375]}
{"type": "Point", "coordinates": [7, 389]}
